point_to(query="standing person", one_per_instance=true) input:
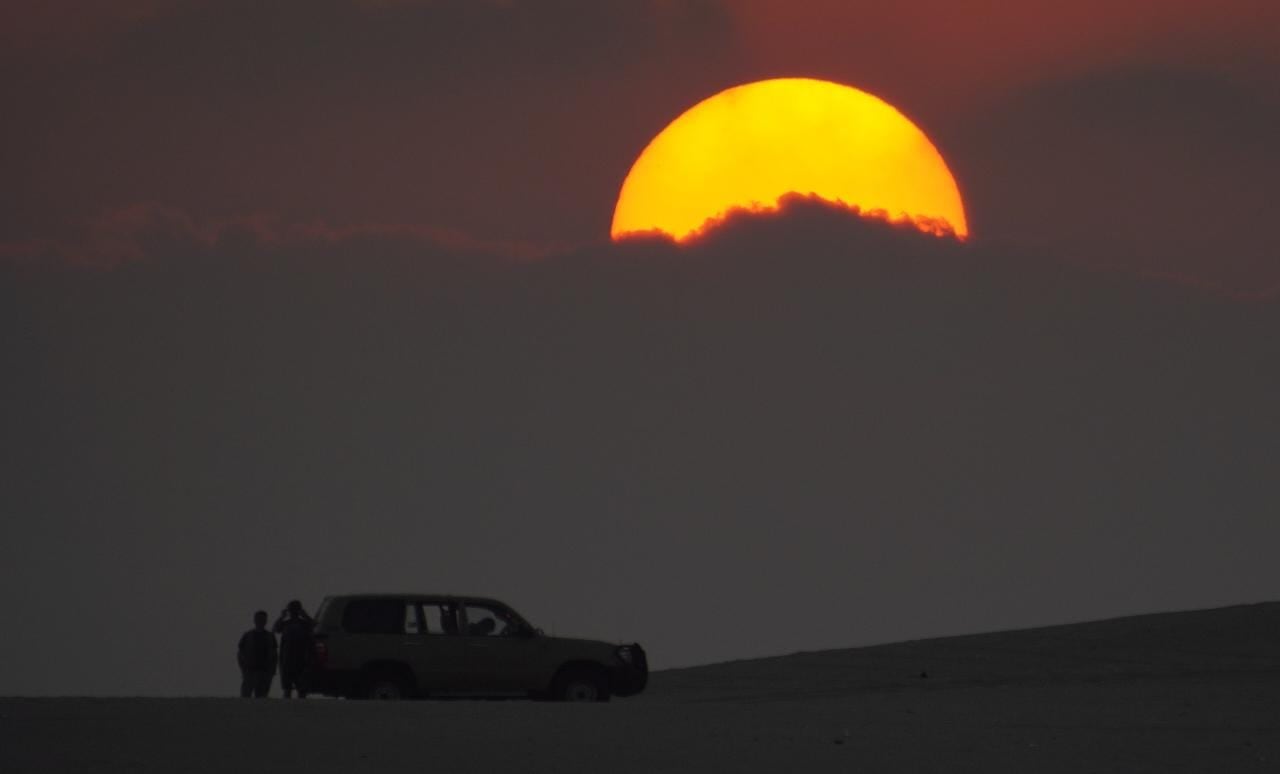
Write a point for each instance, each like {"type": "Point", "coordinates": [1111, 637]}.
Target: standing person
{"type": "Point", "coordinates": [257, 657]}
{"type": "Point", "coordinates": [294, 627]}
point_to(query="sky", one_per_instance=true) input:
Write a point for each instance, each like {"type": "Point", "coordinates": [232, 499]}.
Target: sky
{"type": "Point", "coordinates": [1135, 134]}
{"type": "Point", "coordinates": [307, 298]}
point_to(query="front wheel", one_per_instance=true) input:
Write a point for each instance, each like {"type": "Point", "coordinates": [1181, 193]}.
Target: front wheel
{"type": "Point", "coordinates": [581, 685]}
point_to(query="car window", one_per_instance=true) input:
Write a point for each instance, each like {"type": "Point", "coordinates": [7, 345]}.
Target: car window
{"type": "Point", "coordinates": [488, 621]}
{"type": "Point", "coordinates": [412, 621]}
{"type": "Point", "coordinates": [438, 618]}
{"type": "Point", "coordinates": [377, 616]}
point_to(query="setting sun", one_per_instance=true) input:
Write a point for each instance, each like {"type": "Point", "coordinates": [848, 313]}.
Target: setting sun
{"type": "Point", "coordinates": [747, 146]}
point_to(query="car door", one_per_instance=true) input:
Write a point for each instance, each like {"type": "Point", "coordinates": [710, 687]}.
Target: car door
{"type": "Point", "coordinates": [377, 631]}
{"type": "Point", "coordinates": [501, 657]}
{"type": "Point", "coordinates": [439, 661]}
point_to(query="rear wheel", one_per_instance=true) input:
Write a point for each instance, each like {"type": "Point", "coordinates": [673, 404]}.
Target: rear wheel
{"type": "Point", "coordinates": [386, 686]}
{"type": "Point", "coordinates": [581, 684]}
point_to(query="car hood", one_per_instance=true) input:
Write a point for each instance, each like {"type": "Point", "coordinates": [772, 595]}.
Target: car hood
{"type": "Point", "coordinates": [581, 645]}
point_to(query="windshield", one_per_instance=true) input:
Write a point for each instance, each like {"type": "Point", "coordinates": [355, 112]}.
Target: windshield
{"type": "Point", "coordinates": [320, 611]}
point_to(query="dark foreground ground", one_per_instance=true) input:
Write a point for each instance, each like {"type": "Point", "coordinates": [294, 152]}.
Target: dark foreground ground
{"type": "Point", "coordinates": [1196, 692]}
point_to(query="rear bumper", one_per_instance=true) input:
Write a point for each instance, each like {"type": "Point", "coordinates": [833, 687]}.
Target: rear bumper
{"type": "Point", "coordinates": [332, 682]}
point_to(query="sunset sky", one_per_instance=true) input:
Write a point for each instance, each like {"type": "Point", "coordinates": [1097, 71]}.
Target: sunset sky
{"type": "Point", "coordinates": [1135, 133]}
{"type": "Point", "coordinates": [311, 297]}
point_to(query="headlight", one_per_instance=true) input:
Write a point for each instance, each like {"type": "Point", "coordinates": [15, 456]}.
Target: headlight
{"type": "Point", "coordinates": [624, 654]}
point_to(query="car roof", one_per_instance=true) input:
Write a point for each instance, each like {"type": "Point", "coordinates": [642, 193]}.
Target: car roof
{"type": "Point", "coordinates": [417, 595]}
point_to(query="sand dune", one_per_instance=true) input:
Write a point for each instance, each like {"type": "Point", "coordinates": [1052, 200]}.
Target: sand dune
{"type": "Point", "coordinates": [1196, 691]}
{"type": "Point", "coordinates": [1224, 640]}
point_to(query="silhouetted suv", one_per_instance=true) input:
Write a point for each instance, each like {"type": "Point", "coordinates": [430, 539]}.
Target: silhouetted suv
{"type": "Point", "coordinates": [393, 646]}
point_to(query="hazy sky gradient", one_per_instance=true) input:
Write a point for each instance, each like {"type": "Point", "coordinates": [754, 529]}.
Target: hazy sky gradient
{"type": "Point", "coordinates": [802, 434]}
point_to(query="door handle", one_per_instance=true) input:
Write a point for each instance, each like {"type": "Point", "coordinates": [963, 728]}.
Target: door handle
{"type": "Point", "coordinates": [478, 644]}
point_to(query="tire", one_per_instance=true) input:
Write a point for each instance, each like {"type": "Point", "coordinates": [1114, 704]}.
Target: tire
{"type": "Point", "coordinates": [386, 686]}
{"type": "Point", "coordinates": [581, 684]}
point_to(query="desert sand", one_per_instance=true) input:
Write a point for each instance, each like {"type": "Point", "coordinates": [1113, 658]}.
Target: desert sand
{"type": "Point", "coordinates": [1196, 691]}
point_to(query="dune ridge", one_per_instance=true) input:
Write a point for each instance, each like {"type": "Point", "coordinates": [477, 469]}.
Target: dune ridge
{"type": "Point", "coordinates": [1238, 638]}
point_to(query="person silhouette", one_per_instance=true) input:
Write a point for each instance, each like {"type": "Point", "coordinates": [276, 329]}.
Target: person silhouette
{"type": "Point", "coordinates": [257, 656]}
{"type": "Point", "coordinates": [294, 627]}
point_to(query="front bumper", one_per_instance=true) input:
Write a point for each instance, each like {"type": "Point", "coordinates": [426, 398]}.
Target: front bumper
{"type": "Point", "coordinates": [630, 677]}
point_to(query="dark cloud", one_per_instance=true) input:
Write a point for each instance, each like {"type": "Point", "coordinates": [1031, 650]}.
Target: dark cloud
{"type": "Point", "coordinates": [61, 29]}
{"type": "Point", "coordinates": [1167, 172]}
{"type": "Point", "coordinates": [153, 232]}
{"type": "Point", "coordinates": [502, 120]}
{"type": "Point", "coordinates": [948, 58]}
{"type": "Point", "coordinates": [801, 432]}
{"type": "Point", "coordinates": [228, 49]}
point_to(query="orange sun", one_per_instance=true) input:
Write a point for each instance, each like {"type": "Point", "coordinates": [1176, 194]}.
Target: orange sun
{"type": "Point", "coordinates": [746, 147]}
